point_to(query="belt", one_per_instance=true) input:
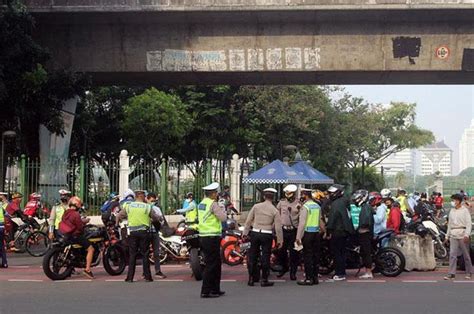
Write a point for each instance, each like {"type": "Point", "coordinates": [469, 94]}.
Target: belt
{"type": "Point", "coordinates": [458, 228]}
{"type": "Point", "coordinates": [288, 228]}
{"type": "Point", "coordinates": [262, 231]}
{"type": "Point", "coordinates": [138, 228]}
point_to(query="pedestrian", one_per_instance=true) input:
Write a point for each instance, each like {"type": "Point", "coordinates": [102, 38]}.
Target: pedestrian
{"type": "Point", "coordinates": [395, 219]}
{"type": "Point", "coordinates": [210, 216]}
{"type": "Point", "coordinates": [3, 249]}
{"type": "Point", "coordinates": [289, 208]}
{"type": "Point", "coordinates": [339, 228]}
{"type": "Point", "coordinates": [262, 218]}
{"type": "Point", "coordinates": [365, 230]}
{"type": "Point", "coordinates": [140, 216]}
{"type": "Point", "coordinates": [155, 233]}
{"type": "Point", "coordinates": [14, 210]}
{"type": "Point", "coordinates": [458, 234]}
{"type": "Point", "coordinates": [57, 212]}
{"type": "Point", "coordinates": [310, 226]}
{"type": "Point", "coordinates": [438, 201]}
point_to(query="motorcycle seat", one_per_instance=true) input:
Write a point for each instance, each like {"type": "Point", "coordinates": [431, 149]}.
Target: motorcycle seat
{"type": "Point", "coordinates": [384, 234]}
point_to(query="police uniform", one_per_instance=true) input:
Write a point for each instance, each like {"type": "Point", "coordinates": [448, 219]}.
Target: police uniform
{"type": "Point", "coordinates": [308, 234]}
{"type": "Point", "coordinates": [290, 213]}
{"type": "Point", "coordinates": [262, 218]}
{"type": "Point", "coordinates": [139, 216]}
{"type": "Point", "coordinates": [3, 206]}
{"type": "Point", "coordinates": [210, 216]}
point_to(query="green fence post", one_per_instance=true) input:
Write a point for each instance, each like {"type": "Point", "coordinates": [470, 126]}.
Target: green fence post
{"type": "Point", "coordinates": [164, 186]}
{"type": "Point", "coordinates": [23, 174]}
{"type": "Point", "coordinates": [209, 171]}
{"type": "Point", "coordinates": [82, 178]}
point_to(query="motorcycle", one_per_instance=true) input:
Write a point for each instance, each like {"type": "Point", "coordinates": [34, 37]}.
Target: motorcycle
{"type": "Point", "coordinates": [64, 257]}
{"type": "Point", "coordinates": [388, 261]}
{"type": "Point", "coordinates": [183, 245]}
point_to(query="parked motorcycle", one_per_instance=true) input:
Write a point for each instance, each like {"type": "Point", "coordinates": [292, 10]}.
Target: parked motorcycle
{"type": "Point", "coordinates": [63, 257]}
{"type": "Point", "coordinates": [388, 261]}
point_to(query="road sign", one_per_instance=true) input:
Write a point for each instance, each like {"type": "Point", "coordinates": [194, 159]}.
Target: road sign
{"type": "Point", "coordinates": [442, 52]}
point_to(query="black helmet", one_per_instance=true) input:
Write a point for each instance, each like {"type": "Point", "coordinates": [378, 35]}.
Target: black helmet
{"type": "Point", "coordinates": [336, 191]}
{"type": "Point", "coordinates": [421, 230]}
{"type": "Point", "coordinates": [360, 197]}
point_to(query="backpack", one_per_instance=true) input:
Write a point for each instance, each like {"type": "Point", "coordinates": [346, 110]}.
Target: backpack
{"type": "Point", "coordinates": [106, 207]}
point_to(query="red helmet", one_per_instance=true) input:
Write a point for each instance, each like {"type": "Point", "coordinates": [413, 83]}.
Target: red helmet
{"type": "Point", "coordinates": [34, 196]}
{"type": "Point", "coordinates": [75, 201]}
{"type": "Point", "coordinates": [375, 199]}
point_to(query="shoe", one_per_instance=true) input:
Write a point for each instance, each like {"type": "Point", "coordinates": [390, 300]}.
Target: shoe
{"type": "Point", "coordinates": [88, 274]}
{"type": "Point", "coordinates": [316, 280]}
{"type": "Point", "coordinates": [468, 277]}
{"type": "Point", "coordinates": [366, 276]}
{"type": "Point", "coordinates": [220, 293]}
{"type": "Point", "coordinates": [338, 278]}
{"type": "Point", "coordinates": [128, 280]}
{"type": "Point", "coordinates": [14, 249]}
{"type": "Point", "coordinates": [293, 276]}
{"type": "Point", "coordinates": [4, 266]}
{"type": "Point", "coordinates": [160, 275]}
{"type": "Point", "coordinates": [266, 283]}
{"type": "Point", "coordinates": [209, 295]}
{"type": "Point", "coordinates": [449, 276]}
{"type": "Point", "coordinates": [251, 282]}
{"type": "Point", "coordinates": [149, 279]}
{"type": "Point", "coordinates": [306, 282]}
{"type": "Point", "coordinates": [282, 273]}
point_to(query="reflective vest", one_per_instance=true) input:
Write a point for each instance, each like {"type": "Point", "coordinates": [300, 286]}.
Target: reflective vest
{"type": "Point", "coordinates": [60, 209]}
{"type": "Point", "coordinates": [138, 215]}
{"type": "Point", "coordinates": [313, 217]}
{"type": "Point", "coordinates": [403, 203]}
{"type": "Point", "coordinates": [2, 218]}
{"type": "Point", "coordinates": [209, 224]}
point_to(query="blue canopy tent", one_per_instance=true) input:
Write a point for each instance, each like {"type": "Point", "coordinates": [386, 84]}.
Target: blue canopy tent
{"type": "Point", "coordinates": [277, 172]}
{"type": "Point", "coordinates": [315, 176]}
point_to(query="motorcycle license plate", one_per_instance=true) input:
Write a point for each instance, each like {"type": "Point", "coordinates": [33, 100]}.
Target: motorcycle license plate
{"type": "Point", "coordinates": [245, 246]}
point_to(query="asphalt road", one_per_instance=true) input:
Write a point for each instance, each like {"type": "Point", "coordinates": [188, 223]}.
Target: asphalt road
{"type": "Point", "coordinates": [24, 289]}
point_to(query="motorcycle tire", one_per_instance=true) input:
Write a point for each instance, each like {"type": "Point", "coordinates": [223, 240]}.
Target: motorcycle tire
{"type": "Point", "coordinates": [229, 256]}
{"type": "Point", "coordinates": [49, 260]}
{"type": "Point", "coordinates": [20, 243]}
{"type": "Point", "coordinates": [37, 244]}
{"type": "Point", "coordinates": [390, 262]}
{"type": "Point", "coordinates": [195, 262]}
{"type": "Point", "coordinates": [163, 257]}
{"type": "Point", "coordinates": [440, 250]}
{"type": "Point", "coordinates": [114, 260]}
{"type": "Point", "coordinates": [326, 262]}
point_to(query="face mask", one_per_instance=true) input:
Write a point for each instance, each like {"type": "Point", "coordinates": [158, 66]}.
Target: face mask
{"type": "Point", "coordinates": [302, 199]}
{"type": "Point", "coordinates": [453, 204]}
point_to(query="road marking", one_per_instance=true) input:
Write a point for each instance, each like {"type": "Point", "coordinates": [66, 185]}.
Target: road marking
{"type": "Point", "coordinates": [420, 281]}
{"type": "Point", "coordinates": [169, 280]}
{"type": "Point", "coordinates": [278, 280]}
{"type": "Point", "coordinates": [463, 281]}
{"type": "Point", "coordinates": [228, 280]}
{"type": "Point", "coordinates": [25, 280]}
{"type": "Point", "coordinates": [19, 266]}
{"type": "Point", "coordinates": [115, 280]}
{"type": "Point", "coordinates": [74, 280]}
{"type": "Point", "coordinates": [173, 266]}
{"type": "Point", "coordinates": [368, 280]}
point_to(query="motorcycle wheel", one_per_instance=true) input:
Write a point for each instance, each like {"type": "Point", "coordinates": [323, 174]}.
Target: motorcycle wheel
{"type": "Point", "coordinates": [231, 254]}
{"type": "Point", "coordinates": [390, 262]}
{"type": "Point", "coordinates": [53, 265]}
{"type": "Point", "coordinates": [37, 244]}
{"type": "Point", "coordinates": [20, 243]}
{"type": "Point", "coordinates": [181, 224]}
{"type": "Point", "coordinates": [114, 260]}
{"type": "Point", "coordinates": [326, 262]}
{"type": "Point", "coordinates": [195, 262]}
{"type": "Point", "coordinates": [439, 249]}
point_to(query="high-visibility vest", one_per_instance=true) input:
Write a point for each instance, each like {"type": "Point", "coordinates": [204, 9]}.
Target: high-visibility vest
{"type": "Point", "coordinates": [2, 217]}
{"type": "Point", "coordinates": [403, 203]}
{"type": "Point", "coordinates": [60, 209]}
{"type": "Point", "coordinates": [209, 224]}
{"type": "Point", "coordinates": [138, 215]}
{"type": "Point", "coordinates": [313, 217]}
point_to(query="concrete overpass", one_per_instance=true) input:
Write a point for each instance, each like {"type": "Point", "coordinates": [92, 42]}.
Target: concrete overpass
{"type": "Point", "coordinates": [261, 41]}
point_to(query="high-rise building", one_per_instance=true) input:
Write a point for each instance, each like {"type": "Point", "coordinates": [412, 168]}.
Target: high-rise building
{"type": "Point", "coordinates": [436, 157]}
{"type": "Point", "coordinates": [466, 148]}
{"type": "Point", "coordinates": [402, 161]}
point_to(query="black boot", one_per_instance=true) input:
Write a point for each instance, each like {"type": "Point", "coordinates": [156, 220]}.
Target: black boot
{"type": "Point", "coordinates": [266, 283]}
{"type": "Point", "coordinates": [293, 274]}
{"type": "Point", "coordinates": [306, 282]}
{"type": "Point", "coordinates": [251, 282]}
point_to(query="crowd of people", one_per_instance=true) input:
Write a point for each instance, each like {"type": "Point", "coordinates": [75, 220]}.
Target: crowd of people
{"type": "Point", "coordinates": [299, 221]}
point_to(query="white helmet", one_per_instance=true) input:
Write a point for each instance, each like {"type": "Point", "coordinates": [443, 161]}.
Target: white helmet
{"type": "Point", "coordinates": [128, 193]}
{"type": "Point", "coordinates": [291, 188]}
{"type": "Point", "coordinates": [386, 193]}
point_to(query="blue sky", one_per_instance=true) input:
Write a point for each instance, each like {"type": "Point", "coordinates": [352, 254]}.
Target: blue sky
{"type": "Point", "coordinates": [446, 110]}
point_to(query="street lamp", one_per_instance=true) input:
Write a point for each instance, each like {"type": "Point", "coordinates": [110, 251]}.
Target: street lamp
{"type": "Point", "coordinates": [6, 134]}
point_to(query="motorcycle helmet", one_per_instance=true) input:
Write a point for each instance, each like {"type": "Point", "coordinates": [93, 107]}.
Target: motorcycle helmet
{"type": "Point", "coordinates": [128, 194]}
{"type": "Point", "coordinates": [375, 199]}
{"type": "Point", "coordinates": [290, 191]}
{"type": "Point", "coordinates": [34, 196]}
{"type": "Point", "coordinates": [386, 193]}
{"type": "Point", "coordinates": [335, 191]}
{"type": "Point", "coordinates": [189, 194]}
{"type": "Point", "coordinates": [64, 195]}
{"type": "Point", "coordinates": [75, 201]}
{"type": "Point", "coordinates": [421, 230]}
{"type": "Point", "coordinates": [318, 195]}
{"type": "Point", "coordinates": [360, 197]}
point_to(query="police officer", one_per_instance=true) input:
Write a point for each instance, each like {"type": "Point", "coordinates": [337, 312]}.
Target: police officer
{"type": "Point", "coordinates": [289, 209]}
{"type": "Point", "coordinates": [309, 228]}
{"type": "Point", "coordinates": [140, 216]}
{"type": "Point", "coordinates": [57, 212]}
{"type": "Point", "coordinates": [263, 217]}
{"type": "Point", "coordinates": [210, 216]}
{"type": "Point", "coordinates": [3, 207]}
{"type": "Point", "coordinates": [190, 211]}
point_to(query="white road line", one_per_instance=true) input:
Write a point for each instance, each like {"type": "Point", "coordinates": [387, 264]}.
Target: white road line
{"type": "Point", "coordinates": [74, 280]}
{"type": "Point", "coordinates": [278, 280]}
{"type": "Point", "coordinates": [420, 281]}
{"type": "Point", "coordinates": [19, 266]}
{"type": "Point", "coordinates": [228, 280]}
{"type": "Point", "coordinates": [115, 280]}
{"type": "Point", "coordinates": [367, 281]}
{"type": "Point", "coordinates": [25, 280]}
{"type": "Point", "coordinates": [173, 266]}
{"type": "Point", "coordinates": [169, 280]}
{"type": "Point", "coordinates": [463, 281]}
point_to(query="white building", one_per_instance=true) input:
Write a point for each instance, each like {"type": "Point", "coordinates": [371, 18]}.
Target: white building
{"type": "Point", "coordinates": [403, 161]}
{"type": "Point", "coordinates": [436, 157]}
{"type": "Point", "coordinates": [466, 148]}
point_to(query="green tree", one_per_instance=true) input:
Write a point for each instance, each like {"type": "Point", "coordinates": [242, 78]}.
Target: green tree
{"type": "Point", "coordinates": [155, 124]}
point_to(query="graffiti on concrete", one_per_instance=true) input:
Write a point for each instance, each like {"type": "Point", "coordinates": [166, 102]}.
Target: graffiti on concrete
{"type": "Point", "coordinates": [406, 47]}
{"type": "Point", "coordinates": [271, 59]}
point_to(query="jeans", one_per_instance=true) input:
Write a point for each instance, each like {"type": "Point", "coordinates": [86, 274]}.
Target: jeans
{"type": "Point", "coordinates": [311, 249]}
{"type": "Point", "coordinates": [211, 276]}
{"type": "Point", "coordinates": [457, 246]}
{"type": "Point", "coordinates": [139, 240]}
{"type": "Point", "coordinates": [338, 247]}
{"type": "Point", "coordinates": [155, 242]}
{"type": "Point", "coordinates": [260, 245]}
